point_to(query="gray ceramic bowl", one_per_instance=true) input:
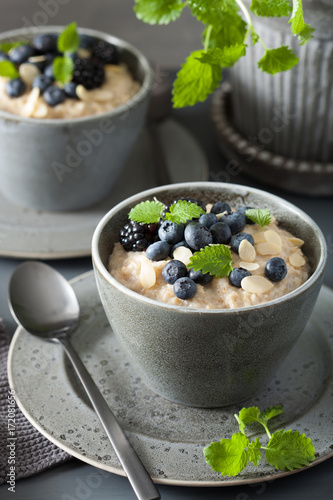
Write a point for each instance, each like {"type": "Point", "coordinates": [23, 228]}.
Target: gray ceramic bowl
{"type": "Point", "coordinates": [67, 164]}
{"type": "Point", "coordinates": [205, 357]}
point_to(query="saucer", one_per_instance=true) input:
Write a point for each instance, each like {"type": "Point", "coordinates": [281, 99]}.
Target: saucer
{"type": "Point", "coordinates": [168, 437]}
{"type": "Point", "coordinates": [28, 233]}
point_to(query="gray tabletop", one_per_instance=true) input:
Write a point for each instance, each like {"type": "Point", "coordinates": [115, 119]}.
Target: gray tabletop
{"type": "Point", "coordinates": [167, 46]}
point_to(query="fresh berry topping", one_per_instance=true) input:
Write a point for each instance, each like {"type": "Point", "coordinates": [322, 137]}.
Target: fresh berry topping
{"type": "Point", "coordinates": [171, 232]}
{"type": "Point", "coordinates": [3, 56]}
{"type": "Point", "coordinates": [70, 90]}
{"type": "Point", "coordinates": [236, 276]}
{"type": "Point", "coordinates": [220, 207]}
{"type": "Point", "coordinates": [54, 95]}
{"type": "Point", "coordinates": [136, 237]}
{"type": "Point", "coordinates": [174, 270]}
{"type": "Point", "coordinates": [46, 42]}
{"type": "Point", "coordinates": [242, 210]}
{"type": "Point", "coordinates": [181, 243]}
{"type": "Point", "coordinates": [15, 87]}
{"type": "Point", "coordinates": [237, 238]}
{"type": "Point", "coordinates": [184, 288]}
{"type": "Point", "coordinates": [197, 236]}
{"type": "Point", "coordinates": [106, 52]}
{"type": "Point", "coordinates": [87, 41]}
{"type": "Point", "coordinates": [235, 220]}
{"type": "Point", "coordinates": [221, 233]}
{"type": "Point", "coordinates": [48, 71]}
{"type": "Point", "coordinates": [42, 82]}
{"type": "Point", "coordinates": [20, 54]}
{"type": "Point", "coordinates": [158, 251]}
{"type": "Point", "coordinates": [276, 269]}
{"type": "Point", "coordinates": [89, 73]}
{"type": "Point", "coordinates": [200, 278]}
{"type": "Point", "coordinates": [208, 219]}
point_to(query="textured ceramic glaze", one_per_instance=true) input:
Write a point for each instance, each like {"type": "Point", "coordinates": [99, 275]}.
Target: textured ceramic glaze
{"type": "Point", "coordinates": [68, 164]}
{"type": "Point", "coordinates": [203, 357]}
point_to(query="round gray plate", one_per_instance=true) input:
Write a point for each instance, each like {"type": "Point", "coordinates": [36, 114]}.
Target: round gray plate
{"type": "Point", "coordinates": [54, 235]}
{"type": "Point", "coordinates": [168, 437]}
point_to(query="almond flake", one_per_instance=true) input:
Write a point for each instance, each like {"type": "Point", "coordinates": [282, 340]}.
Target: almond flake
{"type": "Point", "coordinates": [249, 266]}
{"type": "Point", "coordinates": [296, 260]}
{"type": "Point", "coordinates": [28, 72]}
{"type": "Point", "coordinates": [268, 248]}
{"type": "Point", "coordinates": [259, 237]}
{"type": "Point", "coordinates": [256, 284]}
{"type": "Point", "coordinates": [296, 241]}
{"type": "Point", "coordinates": [183, 254]}
{"type": "Point", "coordinates": [221, 214]}
{"type": "Point", "coordinates": [147, 273]}
{"type": "Point", "coordinates": [101, 95]}
{"type": "Point", "coordinates": [41, 111]}
{"type": "Point", "coordinates": [273, 237]}
{"type": "Point", "coordinates": [83, 93]}
{"type": "Point", "coordinates": [83, 53]}
{"type": "Point", "coordinates": [31, 104]}
{"type": "Point", "coordinates": [246, 251]}
{"type": "Point", "coordinates": [36, 59]}
{"type": "Point", "coordinates": [209, 206]}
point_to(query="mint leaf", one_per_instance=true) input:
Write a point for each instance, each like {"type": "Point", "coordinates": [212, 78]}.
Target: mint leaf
{"type": "Point", "coordinates": [69, 40]}
{"type": "Point", "coordinates": [247, 416]}
{"type": "Point", "coordinates": [271, 8]}
{"type": "Point", "coordinates": [276, 60]}
{"type": "Point", "coordinates": [270, 412]}
{"type": "Point", "coordinates": [231, 30]}
{"type": "Point", "coordinates": [254, 37]}
{"type": "Point", "coordinates": [213, 259]}
{"type": "Point", "coordinates": [147, 212]}
{"type": "Point", "coordinates": [224, 57]}
{"type": "Point", "coordinates": [195, 81]}
{"type": "Point", "coordinates": [229, 456]}
{"type": "Point", "coordinates": [254, 453]}
{"type": "Point", "coordinates": [210, 12]}
{"type": "Point", "coordinates": [298, 25]}
{"type": "Point", "coordinates": [7, 46]}
{"type": "Point", "coordinates": [182, 211]}
{"type": "Point", "coordinates": [259, 216]}
{"type": "Point", "coordinates": [63, 68]}
{"type": "Point", "coordinates": [8, 69]}
{"type": "Point", "coordinates": [158, 11]}
{"type": "Point", "coordinates": [288, 450]}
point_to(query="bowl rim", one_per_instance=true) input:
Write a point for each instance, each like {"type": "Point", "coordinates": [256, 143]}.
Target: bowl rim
{"type": "Point", "coordinates": [99, 266]}
{"type": "Point", "coordinates": [138, 97]}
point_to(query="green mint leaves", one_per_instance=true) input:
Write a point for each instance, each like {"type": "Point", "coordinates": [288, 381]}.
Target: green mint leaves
{"type": "Point", "coordinates": [228, 25]}
{"type": "Point", "coordinates": [182, 211]}
{"type": "Point", "coordinates": [63, 69]}
{"type": "Point", "coordinates": [213, 259]}
{"type": "Point", "coordinates": [68, 40]}
{"type": "Point", "coordinates": [7, 46]}
{"type": "Point", "coordinates": [286, 450]}
{"type": "Point", "coordinates": [261, 216]}
{"type": "Point", "coordinates": [150, 212]}
{"type": "Point", "coordinates": [147, 212]}
{"type": "Point", "coordinates": [68, 43]}
{"type": "Point", "coordinates": [8, 70]}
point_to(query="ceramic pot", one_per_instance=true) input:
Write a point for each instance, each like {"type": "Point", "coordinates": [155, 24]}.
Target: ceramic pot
{"type": "Point", "coordinates": [202, 357]}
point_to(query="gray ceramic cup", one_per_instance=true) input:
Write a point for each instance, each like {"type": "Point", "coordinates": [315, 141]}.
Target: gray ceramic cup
{"type": "Point", "coordinates": [199, 357]}
{"type": "Point", "coordinates": [68, 164]}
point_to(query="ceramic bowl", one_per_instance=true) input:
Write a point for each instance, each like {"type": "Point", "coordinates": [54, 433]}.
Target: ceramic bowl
{"type": "Point", "coordinates": [68, 164]}
{"type": "Point", "coordinates": [200, 357]}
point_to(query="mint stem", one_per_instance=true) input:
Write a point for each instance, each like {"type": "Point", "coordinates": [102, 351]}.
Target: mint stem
{"type": "Point", "coordinates": [207, 37]}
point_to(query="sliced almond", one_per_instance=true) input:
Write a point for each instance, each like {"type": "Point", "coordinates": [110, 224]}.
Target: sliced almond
{"type": "Point", "coordinates": [147, 273]}
{"type": "Point", "coordinates": [246, 251]}
{"type": "Point", "coordinates": [83, 93]}
{"type": "Point", "coordinates": [36, 59]}
{"type": "Point", "coordinates": [273, 237]}
{"type": "Point", "coordinates": [256, 284]}
{"type": "Point", "coordinates": [113, 68]}
{"type": "Point", "coordinates": [259, 237]}
{"type": "Point", "coordinates": [268, 248]}
{"type": "Point", "coordinates": [28, 72]}
{"type": "Point", "coordinates": [83, 53]}
{"type": "Point", "coordinates": [41, 111]}
{"type": "Point", "coordinates": [296, 260]}
{"type": "Point", "coordinates": [209, 206]}
{"type": "Point", "coordinates": [102, 95]}
{"type": "Point", "coordinates": [31, 104]}
{"type": "Point", "coordinates": [249, 266]}
{"type": "Point", "coordinates": [221, 214]}
{"type": "Point", "coordinates": [296, 241]}
{"type": "Point", "coordinates": [183, 254]}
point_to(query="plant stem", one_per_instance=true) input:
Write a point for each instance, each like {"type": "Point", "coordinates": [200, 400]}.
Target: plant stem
{"type": "Point", "coordinates": [245, 12]}
{"type": "Point", "coordinates": [207, 37]}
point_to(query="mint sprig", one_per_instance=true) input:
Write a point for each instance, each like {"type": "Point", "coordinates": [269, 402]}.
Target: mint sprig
{"type": "Point", "coordinates": [261, 216]}
{"type": "Point", "coordinates": [182, 211]}
{"type": "Point", "coordinates": [69, 39]}
{"type": "Point", "coordinates": [68, 43]}
{"type": "Point", "coordinates": [271, 8]}
{"type": "Point", "coordinates": [299, 27]}
{"type": "Point", "coordinates": [147, 212]}
{"type": "Point", "coordinates": [213, 259]}
{"type": "Point", "coordinates": [277, 60]}
{"type": "Point", "coordinates": [286, 450]}
{"type": "Point", "coordinates": [159, 11]}
{"type": "Point", "coordinates": [63, 68]}
{"type": "Point", "coordinates": [7, 46]}
{"type": "Point", "coordinates": [8, 70]}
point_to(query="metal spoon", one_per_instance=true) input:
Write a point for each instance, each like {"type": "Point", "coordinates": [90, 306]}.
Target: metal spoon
{"type": "Point", "coordinates": [44, 303]}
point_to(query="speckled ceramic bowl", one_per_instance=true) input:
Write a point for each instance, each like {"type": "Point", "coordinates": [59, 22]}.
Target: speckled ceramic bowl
{"type": "Point", "coordinates": [202, 357]}
{"type": "Point", "coordinates": [68, 164]}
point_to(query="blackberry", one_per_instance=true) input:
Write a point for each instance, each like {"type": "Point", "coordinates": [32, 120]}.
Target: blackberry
{"type": "Point", "coordinates": [88, 72]}
{"type": "Point", "coordinates": [192, 200]}
{"type": "Point", "coordinates": [106, 52]}
{"type": "Point", "coordinates": [136, 236]}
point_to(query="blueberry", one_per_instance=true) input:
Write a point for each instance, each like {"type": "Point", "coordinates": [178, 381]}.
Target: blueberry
{"type": "Point", "coordinates": [184, 288]}
{"type": "Point", "coordinates": [15, 87]}
{"type": "Point", "coordinates": [276, 269]}
{"type": "Point", "coordinates": [21, 54]}
{"type": "Point", "coordinates": [200, 278]}
{"type": "Point", "coordinates": [174, 270]}
{"type": "Point", "coordinates": [197, 236]}
{"type": "Point", "coordinates": [237, 238]}
{"type": "Point", "coordinates": [3, 56]}
{"type": "Point", "coordinates": [181, 243]}
{"type": "Point", "coordinates": [54, 95]}
{"type": "Point", "coordinates": [70, 90]}
{"type": "Point", "coordinates": [220, 207]}
{"type": "Point", "coordinates": [221, 233]}
{"type": "Point", "coordinates": [158, 250]}
{"type": "Point", "coordinates": [242, 210]}
{"type": "Point", "coordinates": [235, 220]}
{"type": "Point", "coordinates": [46, 42]}
{"type": "Point", "coordinates": [42, 82]}
{"type": "Point", "coordinates": [236, 276]}
{"type": "Point", "coordinates": [48, 71]}
{"type": "Point", "coordinates": [208, 219]}
{"type": "Point", "coordinates": [171, 232]}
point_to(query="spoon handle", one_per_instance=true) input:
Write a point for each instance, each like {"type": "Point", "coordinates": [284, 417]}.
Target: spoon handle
{"type": "Point", "coordinates": [135, 471]}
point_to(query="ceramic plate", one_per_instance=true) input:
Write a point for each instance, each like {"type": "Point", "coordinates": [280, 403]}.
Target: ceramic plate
{"type": "Point", "coordinates": [168, 437]}
{"type": "Point", "coordinates": [53, 235]}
